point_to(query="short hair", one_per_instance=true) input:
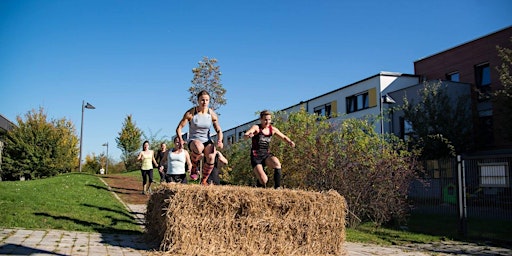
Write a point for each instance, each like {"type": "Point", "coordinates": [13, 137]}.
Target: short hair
{"type": "Point", "coordinates": [265, 113]}
{"type": "Point", "coordinates": [201, 93]}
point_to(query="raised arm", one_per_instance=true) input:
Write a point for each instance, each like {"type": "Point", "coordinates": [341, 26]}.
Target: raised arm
{"type": "Point", "coordinates": [250, 133]}
{"type": "Point", "coordinates": [218, 130]}
{"type": "Point", "coordinates": [186, 117]}
{"type": "Point", "coordinates": [282, 136]}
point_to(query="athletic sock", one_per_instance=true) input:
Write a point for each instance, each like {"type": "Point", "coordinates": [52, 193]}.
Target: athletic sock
{"type": "Point", "coordinates": [277, 177]}
{"type": "Point", "coordinates": [207, 169]}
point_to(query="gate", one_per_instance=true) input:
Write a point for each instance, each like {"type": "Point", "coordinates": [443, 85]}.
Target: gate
{"type": "Point", "coordinates": [469, 188]}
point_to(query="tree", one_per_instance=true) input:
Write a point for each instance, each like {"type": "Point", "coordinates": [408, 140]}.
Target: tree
{"type": "Point", "coordinates": [207, 77]}
{"type": "Point", "coordinates": [439, 123]}
{"type": "Point", "coordinates": [348, 156]}
{"type": "Point", "coordinates": [503, 97]}
{"type": "Point", "coordinates": [92, 163]}
{"type": "Point", "coordinates": [37, 148]}
{"type": "Point", "coordinates": [129, 141]}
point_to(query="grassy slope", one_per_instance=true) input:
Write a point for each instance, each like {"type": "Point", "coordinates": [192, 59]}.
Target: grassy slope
{"type": "Point", "coordinates": [79, 202]}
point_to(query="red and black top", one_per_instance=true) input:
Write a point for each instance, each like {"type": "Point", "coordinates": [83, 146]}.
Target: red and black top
{"type": "Point", "coordinates": [261, 142]}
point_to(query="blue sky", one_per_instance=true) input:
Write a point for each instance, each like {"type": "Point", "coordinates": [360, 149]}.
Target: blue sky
{"type": "Point", "coordinates": [135, 57]}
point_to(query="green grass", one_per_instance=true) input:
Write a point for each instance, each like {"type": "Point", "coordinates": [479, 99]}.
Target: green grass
{"type": "Point", "coordinates": [422, 228]}
{"type": "Point", "coordinates": [368, 233]}
{"type": "Point", "coordinates": [448, 226]}
{"type": "Point", "coordinates": [76, 202]}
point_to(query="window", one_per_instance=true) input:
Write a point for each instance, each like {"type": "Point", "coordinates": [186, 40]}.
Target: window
{"type": "Point", "coordinates": [324, 110]}
{"type": "Point", "coordinates": [483, 75]}
{"type": "Point", "coordinates": [486, 131]}
{"type": "Point", "coordinates": [440, 168]}
{"type": "Point", "coordinates": [357, 102]}
{"type": "Point", "coordinates": [231, 139]}
{"type": "Point", "coordinates": [406, 130]}
{"type": "Point", "coordinates": [241, 135]}
{"type": "Point", "coordinates": [454, 76]}
{"type": "Point", "coordinates": [493, 174]}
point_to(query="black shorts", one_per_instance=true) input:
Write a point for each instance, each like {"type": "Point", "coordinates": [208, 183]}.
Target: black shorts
{"type": "Point", "coordinates": [259, 158]}
{"type": "Point", "coordinates": [204, 144]}
{"type": "Point", "coordinates": [178, 178]}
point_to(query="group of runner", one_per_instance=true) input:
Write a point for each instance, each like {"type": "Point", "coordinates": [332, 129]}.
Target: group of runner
{"type": "Point", "coordinates": [172, 163]}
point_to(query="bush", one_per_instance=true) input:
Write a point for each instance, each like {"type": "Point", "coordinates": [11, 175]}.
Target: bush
{"type": "Point", "coordinates": [371, 171]}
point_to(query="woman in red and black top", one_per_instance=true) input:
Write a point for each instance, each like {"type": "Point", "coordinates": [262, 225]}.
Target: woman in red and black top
{"type": "Point", "coordinates": [260, 150]}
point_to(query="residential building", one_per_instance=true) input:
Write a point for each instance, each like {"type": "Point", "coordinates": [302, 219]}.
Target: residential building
{"type": "Point", "coordinates": [366, 98]}
{"type": "Point", "coordinates": [475, 63]}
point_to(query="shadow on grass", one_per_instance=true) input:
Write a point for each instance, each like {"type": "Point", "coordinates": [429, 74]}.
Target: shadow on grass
{"type": "Point", "coordinates": [110, 210]}
{"type": "Point", "coordinates": [98, 187]}
{"type": "Point", "coordinates": [98, 227]}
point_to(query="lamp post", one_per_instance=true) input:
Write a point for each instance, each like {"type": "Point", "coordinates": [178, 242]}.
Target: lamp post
{"type": "Point", "coordinates": [387, 100]}
{"type": "Point", "coordinates": [88, 106]}
{"type": "Point", "coordinates": [106, 144]}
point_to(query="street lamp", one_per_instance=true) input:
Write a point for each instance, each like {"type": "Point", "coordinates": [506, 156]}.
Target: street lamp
{"type": "Point", "coordinates": [106, 144]}
{"type": "Point", "coordinates": [88, 106]}
{"type": "Point", "coordinates": [387, 100]}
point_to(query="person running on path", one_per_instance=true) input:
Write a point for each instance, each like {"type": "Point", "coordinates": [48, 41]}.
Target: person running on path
{"type": "Point", "coordinates": [147, 157]}
{"type": "Point", "coordinates": [161, 159]}
{"type": "Point", "coordinates": [200, 118]}
{"type": "Point", "coordinates": [177, 159]}
{"type": "Point", "coordinates": [261, 136]}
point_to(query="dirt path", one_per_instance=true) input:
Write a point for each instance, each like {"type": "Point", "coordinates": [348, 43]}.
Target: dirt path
{"type": "Point", "coordinates": [127, 188]}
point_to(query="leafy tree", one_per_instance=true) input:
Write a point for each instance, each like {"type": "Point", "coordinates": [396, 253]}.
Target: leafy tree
{"type": "Point", "coordinates": [37, 148]}
{"type": "Point", "coordinates": [207, 77]}
{"type": "Point", "coordinates": [504, 96]}
{"type": "Point", "coordinates": [129, 141]}
{"type": "Point", "coordinates": [348, 156]}
{"type": "Point", "coordinates": [439, 123]}
{"type": "Point", "coordinates": [92, 163]}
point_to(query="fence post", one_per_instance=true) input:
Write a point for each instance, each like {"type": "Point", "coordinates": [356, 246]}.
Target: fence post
{"type": "Point", "coordinates": [461, 202]}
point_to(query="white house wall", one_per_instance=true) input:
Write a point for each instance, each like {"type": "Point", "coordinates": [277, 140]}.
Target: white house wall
{"type": "Point", "coordinates": [380, 83]}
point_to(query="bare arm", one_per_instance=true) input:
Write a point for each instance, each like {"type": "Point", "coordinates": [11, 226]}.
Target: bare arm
{"type": "Point", "coordinates": [222, 158]}
{"type": "Point", "coordinates": [154, 160]}
{"type": "Point", "coordinates": [250, 133]}
{"type": "Point", "coordinates": [139, 157]}
{"type": "Point", "coordinates": [186, 118]}
{"type": "Point", "coordinates": [282, 136]}
{"type": "Point", "coordinates": [218, 130]}
{"type": "Point", "coordinates": [189, 162]}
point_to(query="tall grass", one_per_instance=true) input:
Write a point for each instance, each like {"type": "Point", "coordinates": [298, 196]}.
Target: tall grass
{"type": "Point", "coordinates": [75, 202]}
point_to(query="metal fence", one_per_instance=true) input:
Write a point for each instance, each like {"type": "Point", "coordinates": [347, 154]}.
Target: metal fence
{"type": "Point", "coordinates": [470, 187]}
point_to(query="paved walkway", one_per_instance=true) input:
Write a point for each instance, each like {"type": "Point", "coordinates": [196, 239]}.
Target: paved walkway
{"type": "Point", "coordinates": [60, 242]}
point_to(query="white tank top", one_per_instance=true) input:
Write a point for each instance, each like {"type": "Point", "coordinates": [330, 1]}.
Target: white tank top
{"type": "Point", "coordinates": [176, 162]}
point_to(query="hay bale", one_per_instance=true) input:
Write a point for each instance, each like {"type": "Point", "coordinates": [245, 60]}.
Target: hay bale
{"type": "Point", "coordinates": [232, 220]}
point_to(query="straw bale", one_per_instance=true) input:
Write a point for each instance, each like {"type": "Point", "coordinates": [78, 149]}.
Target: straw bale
{"type": "Point", "coordinates": [233, 220]}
